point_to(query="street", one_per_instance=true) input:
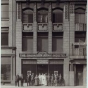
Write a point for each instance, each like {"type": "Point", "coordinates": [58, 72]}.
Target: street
{"type": "Point", "coordinates": [43, 86]}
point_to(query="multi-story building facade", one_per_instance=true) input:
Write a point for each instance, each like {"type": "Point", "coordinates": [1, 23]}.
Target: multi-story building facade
{"type": "Point", "coordinates": [44, 36]}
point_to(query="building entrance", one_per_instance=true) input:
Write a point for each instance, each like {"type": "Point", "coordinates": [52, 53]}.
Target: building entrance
{"type": "Point", "coordinates": [79, 75]}
{"type": "Point", "coordinates": [42, 68]}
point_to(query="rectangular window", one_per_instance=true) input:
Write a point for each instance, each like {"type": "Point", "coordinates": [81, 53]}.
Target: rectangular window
{"type": "Point", "coordinates": [80, 37]}
{"type": "Point", "coordinates": [4, 38]}
{"type": "Point", "coordinates": [57, 42]}
{"type": "Point", "coordinates": [43, 42]}
{"type": "Point", "coordinates": [5, 11]}
{"type": "Point", "coordinates": [27, 42]}
{"type": "Point", "coordinates": [5, 69]}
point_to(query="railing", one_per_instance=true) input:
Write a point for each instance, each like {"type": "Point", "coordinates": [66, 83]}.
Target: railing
{"type": "Point", "coordinates": [42, 26]}
{"type": "Point", "coordinates": [80, 27]}
{"type": "Point", "coordinates": [79, 52]}
{"type": "Point", "coordinates": [79, 49]}
{"type": "Point", "coordinates": [58, 26]}
{"type": "Point", "coordinates": [27, 26]}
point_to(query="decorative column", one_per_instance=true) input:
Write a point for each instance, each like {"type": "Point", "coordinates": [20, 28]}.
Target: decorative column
{"type": "Point", "coordinates": [66, 43]}
{"type": "Point", "coordinates": [50, 29]}
{"type": "Point", "coordinates": [71, 39]}
{"type": "Point", "coordinates": [18, 39]}
{"type": "Point", "coordinates": [35, 29]}
{"type": "Point", "coordinates": [10, 22]}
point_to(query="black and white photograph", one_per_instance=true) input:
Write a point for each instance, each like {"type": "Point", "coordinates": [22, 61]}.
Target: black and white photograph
{"type": "Point", "coordinates": [43, 43]}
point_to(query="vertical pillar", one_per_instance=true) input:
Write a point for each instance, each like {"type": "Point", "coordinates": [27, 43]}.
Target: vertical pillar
{"type": "Point", "coordinates": [18, 39]}
{"type": "Point", "coordinates": [14, 23]}
{"type": "Point", "coordinates": [84, 75]}
{"type": "Point", "coordinates": [50, 29]}
{"type": "Point", "coordinates": [10, 22]}
{"type": "Point", "coordinates": [66, 43]}
{"type": "Point", "coordinates": [35, 30]}
{"type": "Point", "coordinates": [71, 39]}
{"type": "Point", "coordinates": [72, 25]}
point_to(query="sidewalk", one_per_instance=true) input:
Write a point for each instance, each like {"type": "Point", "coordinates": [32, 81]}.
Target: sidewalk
{"type": "Point", "coordinates": [7, 86]}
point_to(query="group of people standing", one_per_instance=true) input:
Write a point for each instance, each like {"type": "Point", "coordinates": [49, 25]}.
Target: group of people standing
{"type": "Point", "coordinates": [40, 80]}
{"type": "Point", "coordinates": [45, 80]}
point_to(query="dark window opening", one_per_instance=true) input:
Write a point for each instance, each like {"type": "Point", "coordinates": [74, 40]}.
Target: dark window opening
{"type": "Point", "coordinates": [80, 37]}
{"type": "Point", "coordinates": [27, 42]}
{"type": "Point", "coordinates": [57, 16]}
{"type": "Point", "coordinates": [42, 42]}
{"type": "Point", "coordinates": [4, 38]}
{"type": "Point", "coordinates": [57, 42]}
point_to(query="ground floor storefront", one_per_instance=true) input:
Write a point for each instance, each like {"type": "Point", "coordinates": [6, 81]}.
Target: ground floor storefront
{"type": "Point", "coordinates": [49, 67]}
{"type": "Point", "coordinates": [37, 67]}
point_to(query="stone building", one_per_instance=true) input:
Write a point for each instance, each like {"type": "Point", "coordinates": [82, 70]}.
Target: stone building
{"type": "Point", "coordinates": [44, 36]}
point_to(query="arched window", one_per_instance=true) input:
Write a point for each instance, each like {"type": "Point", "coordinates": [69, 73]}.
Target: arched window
{"type": "Point", "coordinates": [57, 16]}
{"type": "Point", "coordinates": [79, 15]}
{"type": "Point", "coordinates": [42, 16]}
{"type": "Point", "coordinates": [27, 16]}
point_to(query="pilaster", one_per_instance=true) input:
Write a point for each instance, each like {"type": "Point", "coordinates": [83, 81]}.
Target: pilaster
{"type": "Point", "coordinates": [14, 23]}
{"type": "Point", "coordinates": [72, 25]}
{"type": "Point", "coordinates": [10, 22]}
{"type": "Point", "coordinates": [66, 43]}
{"type": "Point", "coordinates": [19, 46]}
{"type": "Point", "coordinates": [71, 39]}
{"type": "Point", "coordinates": [35, 29]}
{"type": "Point", "coordinates": [50, 29]}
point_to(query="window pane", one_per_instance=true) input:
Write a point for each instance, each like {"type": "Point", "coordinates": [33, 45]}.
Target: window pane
{"type": "Point", "coordinates": [27, 44]}
{"type": "Point", "coordinates": [57, 16]}
{"type": "Point", "coordinates": [30, 18]}
{"type": "Point", "coordinates": [4, 38]}
{"type": "Point", "coordinates": [5, 72]}
{"type": "Point", "coordinates": [5, 68]}
{"type": "Point", "coordinates": [80, 18]}
{"type": "Point", "coordinates": [5, 11]}
{"type": "Point", "coordinates": [27, 16]}
{"type": "Point", "coordinates": [42, 44]}
{"type": "Point", "coordinates": [57, 44]}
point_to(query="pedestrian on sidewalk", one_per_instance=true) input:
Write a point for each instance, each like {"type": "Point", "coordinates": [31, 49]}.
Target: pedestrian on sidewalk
{"type": "Point", "coordinates": [22, 80]}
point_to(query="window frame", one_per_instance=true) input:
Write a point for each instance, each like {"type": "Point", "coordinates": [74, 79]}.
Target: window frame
{"type": "Point", "coordinates": [6, 32]}
{"type": "Point", "coordinates": [27, 15]}
{"type": "Point", "coordinates": [54, 13]}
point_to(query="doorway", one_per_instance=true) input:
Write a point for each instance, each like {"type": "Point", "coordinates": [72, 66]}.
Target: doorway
{"type": "Point", "coordinates": [79, 75]}
{"type": "Point", "coordinates": [42, 68]}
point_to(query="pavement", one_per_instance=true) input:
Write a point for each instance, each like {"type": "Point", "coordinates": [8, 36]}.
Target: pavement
{"type": "Point", "coordinates": [7, 86]}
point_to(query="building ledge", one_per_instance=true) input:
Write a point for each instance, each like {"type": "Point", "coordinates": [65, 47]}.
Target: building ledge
{"type": "Point", "coordinates": [78, 57]}
{"type": "Point", "coordinates": [7, 47]}
{"type": "Point", "coordinates": [7, 55]}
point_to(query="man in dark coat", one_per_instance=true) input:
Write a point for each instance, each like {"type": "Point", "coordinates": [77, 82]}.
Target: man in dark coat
{"type": "Point", "coordinates": [17, 80]}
